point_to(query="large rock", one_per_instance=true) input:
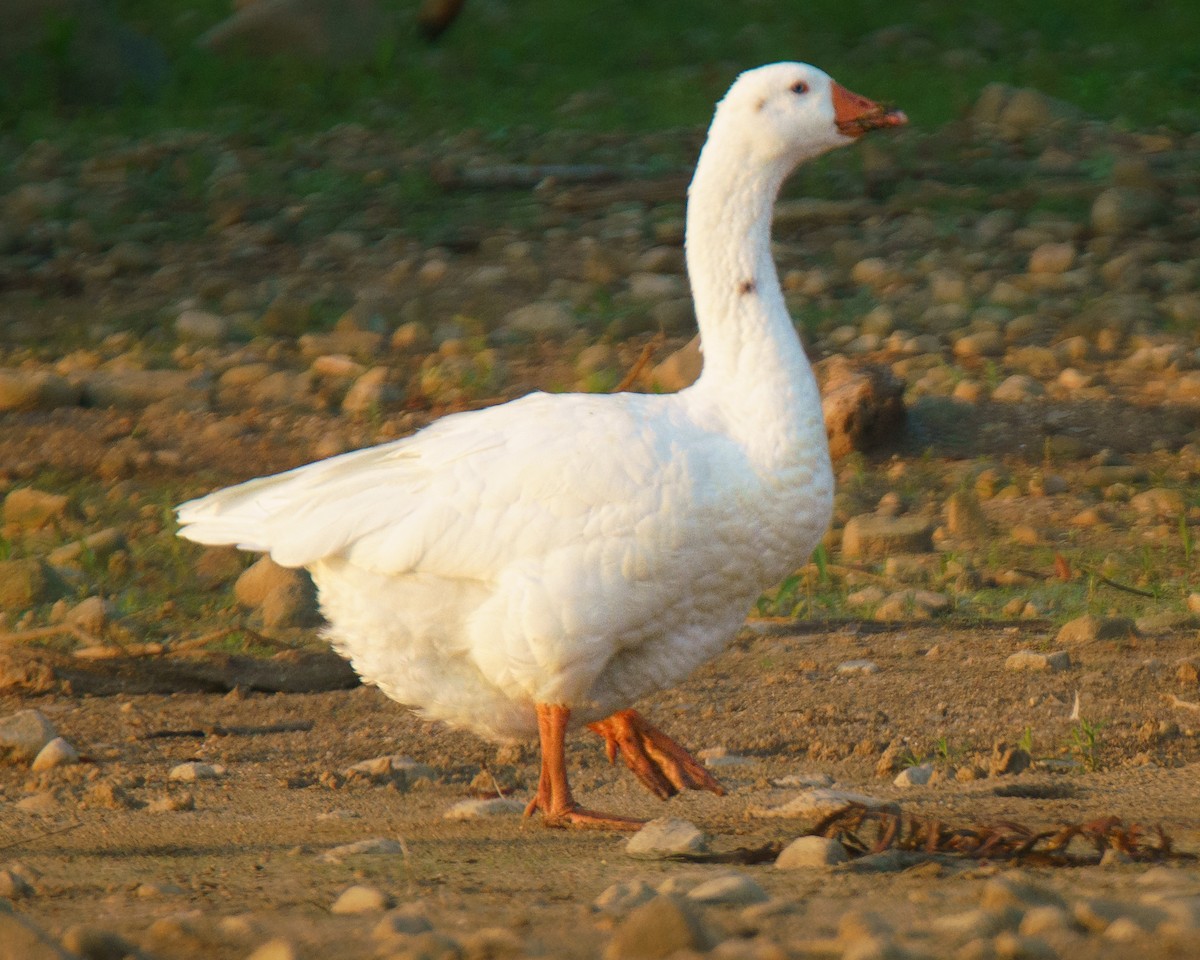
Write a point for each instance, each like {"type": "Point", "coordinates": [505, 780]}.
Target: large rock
{"type": "Point", "coordinates": [78, 48]}
{"type": "Point", "coordinates": [284, 597]}
{"type": "Point", "coordinates": [337, 31]}
{"type": "Point", "coordinates": [863, 406]}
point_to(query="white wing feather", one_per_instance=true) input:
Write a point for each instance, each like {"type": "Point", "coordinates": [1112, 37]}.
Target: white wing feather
{"type": "Point", "coordinates": [474, 492]}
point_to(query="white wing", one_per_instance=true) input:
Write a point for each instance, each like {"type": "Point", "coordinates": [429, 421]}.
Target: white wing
{"type": "Point", "coordinates": [479, 491]}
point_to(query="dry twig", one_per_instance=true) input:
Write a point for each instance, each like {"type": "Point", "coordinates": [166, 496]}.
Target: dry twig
{"type": "Point", "coordinates": [1003, 840]}
{"type": "Point", "coordinates": [1116, 585]}
{"type": "Point", "coordinates": [767, 853]}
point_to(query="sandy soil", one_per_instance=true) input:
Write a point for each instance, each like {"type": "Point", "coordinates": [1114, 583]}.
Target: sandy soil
{"type": "Point", "coordinates": [251, 848]}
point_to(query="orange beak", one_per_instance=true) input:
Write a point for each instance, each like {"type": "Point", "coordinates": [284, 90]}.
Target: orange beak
{"type": "Point", "coordinates": [855, 115]}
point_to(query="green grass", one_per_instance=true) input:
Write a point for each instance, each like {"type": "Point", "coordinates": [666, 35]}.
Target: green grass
{"type": "Point", "coordinates": [1085, 743]}
{"type": "Point", "coordinates": [515, 69]}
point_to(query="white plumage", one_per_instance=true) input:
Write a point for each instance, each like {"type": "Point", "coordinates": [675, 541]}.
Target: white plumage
{"type": "Point", "coordinates": [583, 550]}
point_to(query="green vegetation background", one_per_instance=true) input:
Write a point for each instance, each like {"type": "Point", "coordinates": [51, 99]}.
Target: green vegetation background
{"type": "Point", "coordinates": [642, 66]}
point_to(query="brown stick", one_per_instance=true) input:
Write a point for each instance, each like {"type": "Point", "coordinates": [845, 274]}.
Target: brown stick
{"type": "Point", "coordinates": [42, 836]}
{"type": "Point", "coordinates": [205, 639]}
{"type": "Point", "coordinates": [1091, 572]}
{"type": "Point", "coordinates": [1182, 704]}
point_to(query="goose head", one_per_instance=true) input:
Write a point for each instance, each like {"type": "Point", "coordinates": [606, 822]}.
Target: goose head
{"type": "Point", "coordinates": [789, 112]}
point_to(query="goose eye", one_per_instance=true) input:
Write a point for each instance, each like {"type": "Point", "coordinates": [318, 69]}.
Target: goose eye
{"type": "Point", "coordinates": [799, 87]}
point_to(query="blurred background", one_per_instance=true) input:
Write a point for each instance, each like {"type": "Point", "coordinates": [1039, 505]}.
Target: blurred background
{"type": "Point", "coordinates": [264, 66]}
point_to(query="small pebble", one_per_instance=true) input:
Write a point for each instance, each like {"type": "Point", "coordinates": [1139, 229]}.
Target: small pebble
{"type": "Point", "coordinates": [277, 949]}
{"type": "Point", "coordinates": [1054, 662]}
{"type": "Point", "coordinates": [858, 666]}
{"type": "Point", "coordinates": [172, 803]}
{"type": "Point", "coordinates": [194, 770]}
{"type": "Point", "coordinates": [819, 802]}
{"type": "Point", "coordinates": [916, 776]}
{"type": "Point", "coordinates": [44, 803]}
{"type": "Point", "coordinates": [1045, 920]}
{"type": "Point", "coordinates": [57, 753]}
{"type": "Point", "coordinates": [622, 897]}
{"type": "Point", "coordinates": [485, 809]}
{"type": "Point", "coordinates": [361, 899]}
{"type": "Point", "coordinates": [372, 846]}
{"type": "Point", "coordinates": [665, 837]}
{"type": "Point", "coordinates": [803, 780]}
{"type": "Point", "coordinates": [405, 921]}
{"type": "Point", "coordinates": [13, 886]}
{"type": "Point", "coordinates": [735, 888]}
{"type": "Point", "coordinates": [154, 889]}
{"type": "Point", "coordinates": [807, 852]}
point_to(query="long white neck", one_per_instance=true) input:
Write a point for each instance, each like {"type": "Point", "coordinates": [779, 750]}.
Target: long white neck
{"type": "Point", "coordinates": [754, 365]}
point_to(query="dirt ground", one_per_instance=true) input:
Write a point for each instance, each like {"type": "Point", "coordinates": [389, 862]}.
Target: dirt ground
{"type": "Point", "coordinates": [251, 847]}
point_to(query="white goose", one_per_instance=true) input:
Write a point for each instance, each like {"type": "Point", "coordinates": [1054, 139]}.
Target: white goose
{"type": "Point", "coordinates": [550, 560]}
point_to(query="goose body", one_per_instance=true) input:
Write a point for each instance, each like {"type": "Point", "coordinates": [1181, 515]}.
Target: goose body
{"type": "Point", "coordinates": [559, 556]}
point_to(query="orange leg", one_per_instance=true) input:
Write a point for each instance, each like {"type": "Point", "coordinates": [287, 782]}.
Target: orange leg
{"type": "Point", "coordinates": [553, 797]}
{"type": "Point", "coordinates": [662, 765]}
